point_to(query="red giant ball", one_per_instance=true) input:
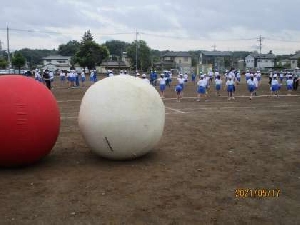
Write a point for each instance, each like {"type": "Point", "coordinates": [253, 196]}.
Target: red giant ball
{"type": "Point", "coordinates": [29, 121]}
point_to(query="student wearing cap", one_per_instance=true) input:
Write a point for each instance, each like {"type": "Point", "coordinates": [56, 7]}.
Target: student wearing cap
{"type": "Point", "coordinates": [144, 78]}
{"type": "Point", "coordinates": [218, 84]}
{"type": "Point", "coordinates": [210, 75]}
{"type": "Point", "coordinates": [230, 87]}
{"type": "Point", "coordinates": [275, 85]}
{"type": "Point", "coordinates": [289, 84]}
{"type": "Point", "coordinates": [247, 75]}
{"type": "Point", "coordinates": [255, 80]}
{"type": "Point", "coordinates": [162, 85]}
{"type": "Point", "coordinates": [201, 88]}
{"type": "Point", "coordinates": [92, 73]}
{"type": "Point", "coordinates": [238, 76]}
{"type": "Point", "coordinates": [62, 77]}
{"type": "Point", "coordinates": [180, 80]}
{"type": "Point", "coordinates": [38, 76]}
{"type": "Point", "coordinates": [207, 80]}
{"type": "Point", "coordinates": [258, 76]}
{"type": "Point", "coordinates": [82, 78]}
{"type": "Point", "coordinates": [251, 86]}
{"type": "Point", "coordinates": [186, 77]}
{"type": "Point", "coordinates": [281, 76]}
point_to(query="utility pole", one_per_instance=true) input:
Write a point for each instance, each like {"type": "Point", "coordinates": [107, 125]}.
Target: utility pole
{"type": "Point", "coordinates": [214, 47]}
{"type": "Point", "coordinates": [8, 53]}
{"type": "Point", "coordinates": [136, 51]}
{"type": "Point", "coordinates": [260, 39]}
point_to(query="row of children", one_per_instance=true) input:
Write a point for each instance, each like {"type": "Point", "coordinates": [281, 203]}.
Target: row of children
{"type": "Point", "coordinates": [205, 81]}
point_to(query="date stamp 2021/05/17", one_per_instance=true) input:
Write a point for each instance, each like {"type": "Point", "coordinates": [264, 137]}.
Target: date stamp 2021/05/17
{"type": "Point", "coordinates": [257, 193]}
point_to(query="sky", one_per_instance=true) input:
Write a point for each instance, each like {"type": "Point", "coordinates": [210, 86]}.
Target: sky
{"type": "Point", "coordinates": [177, 25]}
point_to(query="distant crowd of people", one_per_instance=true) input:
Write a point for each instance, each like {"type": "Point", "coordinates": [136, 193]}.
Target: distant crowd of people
{"type": "Point", "coordinates": [204, 82]}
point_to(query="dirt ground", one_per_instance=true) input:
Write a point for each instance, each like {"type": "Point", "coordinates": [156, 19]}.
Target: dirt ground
{"type": "Point", "coordinates": [208, 151]}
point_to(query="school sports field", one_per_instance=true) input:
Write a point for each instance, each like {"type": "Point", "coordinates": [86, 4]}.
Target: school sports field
{"type": "Point", "coordinates": [218, 162]}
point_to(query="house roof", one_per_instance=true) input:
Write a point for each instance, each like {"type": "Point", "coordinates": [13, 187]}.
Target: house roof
{"type": "Point", "coordinates": [263, 56]}
{"type": "Point", "coordinates": [114, 64]}
{"type": "Point", "coordinates": [177, 54]}
{"type": "Point", "coordinates": [57, 57]}
{"type": "Point", "coordinates": [216, 53]}
{"type": "Point", "coordinates": [296, 56]}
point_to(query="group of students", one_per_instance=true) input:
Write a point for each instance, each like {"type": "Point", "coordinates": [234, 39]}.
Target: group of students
{"type": "Point", "coordinates": [45, 76]}
{"type": "Point", "coordinates": [232, 78]}
{"type": "Point", "coordinates": [74, 78]}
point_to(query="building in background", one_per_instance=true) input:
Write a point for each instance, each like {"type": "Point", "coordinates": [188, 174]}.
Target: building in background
{"type": "Point", "coordinates": [260, 61]}
{"type": "Point", "coordinates": [294, 61]}
{"type": "Point", "coordinates": [56, 62]}
{"type": "Point", "coordinates": [180, 61]}
{"type": "Point", "coordinates": [214, 61]}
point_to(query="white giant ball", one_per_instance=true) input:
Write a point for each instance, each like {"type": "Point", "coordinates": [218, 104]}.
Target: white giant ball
{"type": "Point", "coordinates": [121, 117]}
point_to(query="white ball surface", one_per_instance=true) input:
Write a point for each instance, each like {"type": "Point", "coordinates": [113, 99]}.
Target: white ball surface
{"type": "Point", "coordinates": [121, 117]}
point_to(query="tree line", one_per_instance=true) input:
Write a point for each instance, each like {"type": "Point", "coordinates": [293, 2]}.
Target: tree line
{"type": "Point", "coordinates": [87, 53]}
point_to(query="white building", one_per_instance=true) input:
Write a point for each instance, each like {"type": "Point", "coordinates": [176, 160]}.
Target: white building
{"type": "Point", "coordinates": [294, 61]}
{"type": "Point", "coordinates": [257, 61]}
{"type": "Point", "coordinates": [56, 62]}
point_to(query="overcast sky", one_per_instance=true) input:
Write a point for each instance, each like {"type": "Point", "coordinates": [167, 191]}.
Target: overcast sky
{"type": "Point", "coordinates": [176, 25]}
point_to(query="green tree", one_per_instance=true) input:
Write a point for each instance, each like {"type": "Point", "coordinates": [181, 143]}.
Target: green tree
{"type": "Point", "coordinates": [90, 53]}
{"type": "Point", "coordinates": [144, 55]}
{"type": "Point", "coordinates": [18, 60]}
{"type": "Point", "coordinates": [116, 48]}
{"type": "Point", "coordinates": [69, 49]}
{"type": "Point", "coordinates": [34, 56]}
{"type": "Point", "coordinates": [3, 63]}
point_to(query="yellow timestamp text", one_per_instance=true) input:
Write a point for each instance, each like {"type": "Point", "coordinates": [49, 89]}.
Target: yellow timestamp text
{"type": "Point", "coordinates": [257, 193]}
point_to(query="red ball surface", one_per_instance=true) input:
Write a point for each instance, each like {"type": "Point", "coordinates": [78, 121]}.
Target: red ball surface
{"type": "Point", "coordinates": [29, 121]}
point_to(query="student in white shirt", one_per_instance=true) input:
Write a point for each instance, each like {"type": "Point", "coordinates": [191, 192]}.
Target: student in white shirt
{"type": "Point", "coordinates": [230, 87]}
{"type": "Point", "coordinates": [251, 86]}
{"type": "Point", "coordinates": [207, 80]}
{"type": "Point", "coordinates": [258, 76]}
{"type": "Point", "coordinates": [247, 75]}
{"type": "Point", "coordinates": [62, 77]}
{"type": "Point", "coordinates": [255, 80]}
{"type": "Point", "coordinates": [82, 78]}
{"type": "Point", "coordinates": [186, 77]}
{"type": "Point", "coordinates": [289, 84]}
{"type": "Point", "coordinates": [275, 85]}
{"type": "Point", "coordinates": [218, 85]}
{"type": "Point", "coordinates": [238, 76]}
{"type": "Point", "coordinates": [144, 78]}
{"type": "Point", "coordinates": [181, 80]}
{"type": "Point", "coordinates": [162, 84]}
{"type": "Point", "coordinates": [281, 76]}
{"type": "Point", "coordinates": [201, 88]}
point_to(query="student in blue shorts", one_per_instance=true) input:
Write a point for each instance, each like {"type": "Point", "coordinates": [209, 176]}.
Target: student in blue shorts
{"type": "Point", "coordinates": [201, 88]}
{"type": "Point", "coordinates": [289, 84]}
{"type": "Point", "coordinates": [251, 86]}
{"type": "Point", "coordinates": [230, 87]}
{"type": "Point", "coordinates": [178, 90]}
{"type": "Point", "coordinates": [218, 84]}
